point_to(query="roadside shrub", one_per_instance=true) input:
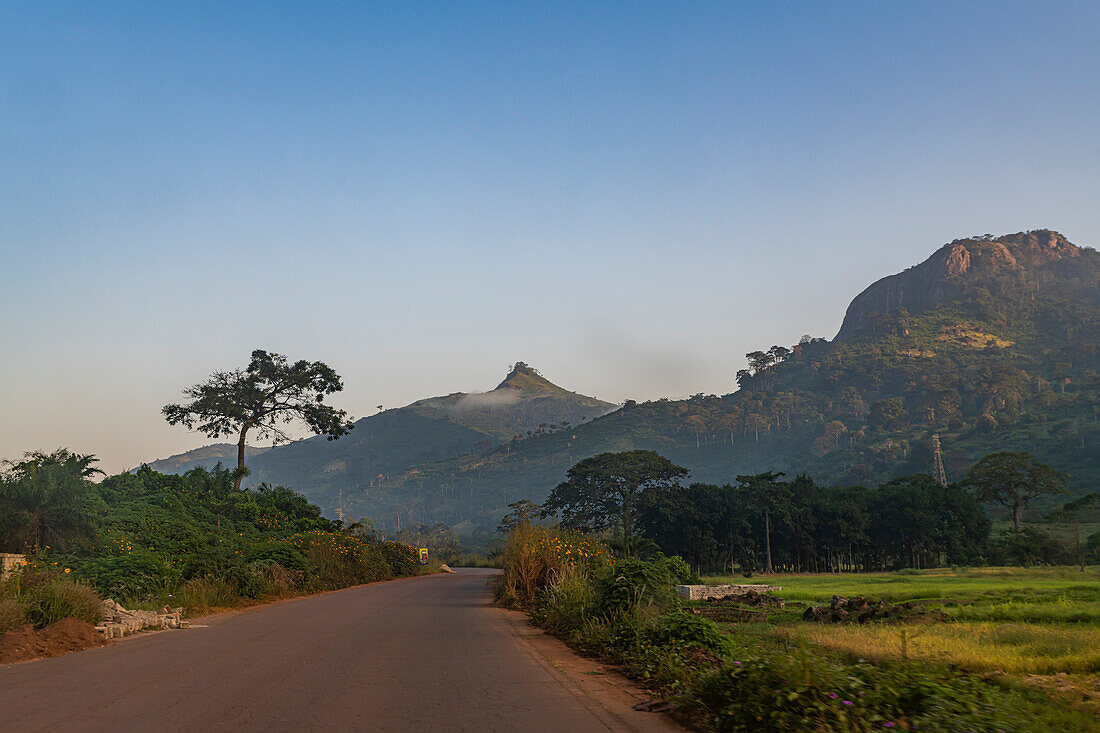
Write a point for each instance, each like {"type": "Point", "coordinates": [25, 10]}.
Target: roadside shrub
{"type": "Point", "coordinates": [280, 552]}
{"type": "Point", "coordinates": [401, 559]}
{"type": "Point", "coordinates": [50, 602]}
{"type": "Point", "coordinates": [280, 580]}
{"type": "Point", "coordinates": [567, 604]}
{"type": "Point", "coordinates": [135, 576]}
{"type": "Point", "coordinates": [780, 691]}
{"type": "Point", "coordinates": [679, 572]}
{"type": "Point", "coordinates": [627, 585]}
{"type": "Point", "coordinates": [217, 558]}
{"type": "Point", "coordinates": [685, 632]}
{"type": "Point", "coordinates": [375, 565]}
{"type": "Point", "coordinates": [338, 560]}
{"type": "Point", "coordinates": [248, 580]}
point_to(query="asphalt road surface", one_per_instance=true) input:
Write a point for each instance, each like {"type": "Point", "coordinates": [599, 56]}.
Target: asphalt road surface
{"type": "Point", "coordinates": [422, 654]}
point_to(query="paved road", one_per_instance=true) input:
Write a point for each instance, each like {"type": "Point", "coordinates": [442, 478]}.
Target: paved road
{"type": "Point", "coordinates": [423, 654]}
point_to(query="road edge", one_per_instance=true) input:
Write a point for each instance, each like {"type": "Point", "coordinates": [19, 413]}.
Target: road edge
{"type": "Point", "coordinates": [603, 691]}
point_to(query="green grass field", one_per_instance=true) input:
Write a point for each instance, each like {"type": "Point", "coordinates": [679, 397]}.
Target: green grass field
{"type": "Point", "coordinates": [1037, 626]}
{"type": "Point", "coordinates": [1061, 591]}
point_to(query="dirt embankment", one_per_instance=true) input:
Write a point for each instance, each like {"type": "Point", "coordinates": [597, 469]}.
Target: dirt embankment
{"type": "Point", "coordinates": [67, 635]}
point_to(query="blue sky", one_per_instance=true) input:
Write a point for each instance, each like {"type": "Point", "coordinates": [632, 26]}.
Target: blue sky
{"type": "Point", "coordinates": [628, 196]}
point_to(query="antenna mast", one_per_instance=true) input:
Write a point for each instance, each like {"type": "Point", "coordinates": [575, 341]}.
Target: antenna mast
{"type": "Point", "coordinates": [937, 461]}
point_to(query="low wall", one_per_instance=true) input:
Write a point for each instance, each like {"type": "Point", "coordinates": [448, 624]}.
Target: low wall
{"type": "Point", "coordinates": [703, 592]}
{"type": "Point", "coordinates": [9, 561]}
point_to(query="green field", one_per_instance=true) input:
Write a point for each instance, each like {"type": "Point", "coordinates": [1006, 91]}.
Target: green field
{"type": "Point", "coordinates": [1035, 626]}
{"type": "Point", "coordinates": [974, 589]}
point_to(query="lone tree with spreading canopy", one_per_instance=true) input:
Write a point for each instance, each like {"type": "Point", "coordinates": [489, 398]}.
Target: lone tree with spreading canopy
{"type": "Point", "coordinates": [1013, 480]}
{"type": "Point", "coordinates": [264, 397]}
{"type": "Point", "coordinates": [608, 490]}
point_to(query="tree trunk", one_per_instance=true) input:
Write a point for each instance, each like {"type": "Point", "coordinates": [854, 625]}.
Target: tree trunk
{"type": "Point", "coordinates": [1077, 543]}
{"type": "Point", "coordinates": [768, 540]}
{"type": "Point", "coordinates": [240, 459]}
{"type": "Point", "coordinates": [1017, 512]}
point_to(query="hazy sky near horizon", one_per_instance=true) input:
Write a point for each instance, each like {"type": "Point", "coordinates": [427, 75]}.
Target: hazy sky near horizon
{"type": "Point", "coordinates": [627, 196]}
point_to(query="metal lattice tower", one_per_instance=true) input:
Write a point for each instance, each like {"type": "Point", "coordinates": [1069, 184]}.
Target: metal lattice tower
{"type": "Point", "coordinates": [937, 462]}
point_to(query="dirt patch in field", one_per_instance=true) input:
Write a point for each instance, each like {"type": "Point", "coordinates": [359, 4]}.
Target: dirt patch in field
{"type": "Point", "coordinates": [67, 635]}
{"type": "Point", "coordinates": [1079, 690]}
{"type": "Point", "coordinates": [861, 610]}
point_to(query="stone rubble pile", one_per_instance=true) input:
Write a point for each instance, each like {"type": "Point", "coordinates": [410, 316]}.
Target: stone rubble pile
{"type": "Point", "coordinates": [118, 622]}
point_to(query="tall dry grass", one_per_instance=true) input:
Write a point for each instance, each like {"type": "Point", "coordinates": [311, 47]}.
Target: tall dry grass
{"type": "Point", "coordinates": [1018, 648]}
{"type": "Point", "coordinates": [206, 594]}
{"type": "Point", "coordinates": [60, 599]}
{"type": "Point", "coordinates": [12, 614]}
{"type": "Point", "coordinates": [538, 558]}
{"type": "Point", "coordinates": [42, 597]}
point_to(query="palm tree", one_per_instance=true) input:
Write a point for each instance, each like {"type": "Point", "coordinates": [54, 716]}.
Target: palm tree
{"type": "Point", "coordinates": [49, 500]}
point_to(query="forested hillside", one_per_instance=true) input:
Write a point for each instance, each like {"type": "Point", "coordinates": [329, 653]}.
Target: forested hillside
{"type": "Point", "coordinates": [993, 343]}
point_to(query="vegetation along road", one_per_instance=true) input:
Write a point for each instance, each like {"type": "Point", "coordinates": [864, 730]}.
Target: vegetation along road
{"type": "Point", "coordinates": [428, 653]}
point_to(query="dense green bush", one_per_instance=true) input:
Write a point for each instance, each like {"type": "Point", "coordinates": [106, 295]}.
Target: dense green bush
{"type": "Point", "coordinates": [780, 691]}
{"type": "Point", "coordinates": [279, 552]}
{"type": "Point", "coordinates": [136, 575]}
{"type": "Point", "coordinates": [626, 585]}
{"type": "Point", "coordinates": [402, 559]}
{"type": "Point", "coordinates": [678, 570]}
{"type": "Point", "coordinates": [196, 541]}
{"type": "Point", "coordinates": [685, 632]}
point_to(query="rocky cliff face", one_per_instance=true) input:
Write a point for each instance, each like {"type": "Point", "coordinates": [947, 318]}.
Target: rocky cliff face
{"type": "Point", "coordinates": [952, 269]}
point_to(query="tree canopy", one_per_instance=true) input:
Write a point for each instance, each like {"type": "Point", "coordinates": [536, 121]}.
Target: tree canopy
{"type": "Point", "coordinates": [520, 512]}
{"type": "Point", "coordinates": [48, 499]}
{"type": "Point", "coordinates": [269, 394]}
{"type": "Point", "coordinates": [1013, 480]}
{"type": "Point", "coordinates": [604, 491]}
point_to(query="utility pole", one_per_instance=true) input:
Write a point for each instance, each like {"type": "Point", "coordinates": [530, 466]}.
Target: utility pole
{"type": "Point", "coordinates": [937, 461]}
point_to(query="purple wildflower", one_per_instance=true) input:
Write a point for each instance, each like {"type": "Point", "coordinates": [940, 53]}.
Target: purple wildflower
{"type": "Point", "coordinates": [847, 702]}
{"type": "Point", "coordinates": [833, 696]}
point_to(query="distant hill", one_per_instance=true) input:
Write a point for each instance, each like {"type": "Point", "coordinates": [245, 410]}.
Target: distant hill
{"type": "Point", "coordinates": [993, 343]}
{"type": "Point", "coordinates": [523, 406]}
{"type": "Point", "coordinates": [207, 456]}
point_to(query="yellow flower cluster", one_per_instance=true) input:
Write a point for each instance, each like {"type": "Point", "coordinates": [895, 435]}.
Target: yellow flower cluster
{"type": "Point", "coordinates": [574, 549]}
{"type": "Point", "coordinates": [340, 543]}
{"type": "Point", "coordinates": [122, 545]}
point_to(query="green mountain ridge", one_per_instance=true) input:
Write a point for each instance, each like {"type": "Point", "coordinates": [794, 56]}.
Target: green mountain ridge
{"type": "Point", "coordinates": [206, 456]}
{"type": "Point", "coordinates": [525, 404]}
{"type": "Point", "coordinates": [992, 343]}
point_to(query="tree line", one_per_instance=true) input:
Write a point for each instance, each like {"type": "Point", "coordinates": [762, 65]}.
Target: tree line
{"type": "Point", "coordinates": [770, 523]}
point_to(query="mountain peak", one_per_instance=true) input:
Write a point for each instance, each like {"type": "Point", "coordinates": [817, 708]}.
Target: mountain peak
{"type": "Point", "coordinates": [954, 268]}
{"type": "Point", "coordinates": [523, 376]}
